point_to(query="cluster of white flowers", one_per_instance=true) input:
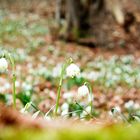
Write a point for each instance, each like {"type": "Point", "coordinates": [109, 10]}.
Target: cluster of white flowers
{"type": "Point", "coordinates": [3, 64]}
{"type": "Point", "coordinates": [72, 70]}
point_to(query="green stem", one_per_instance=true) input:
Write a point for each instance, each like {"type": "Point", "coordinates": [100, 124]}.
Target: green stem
{"type": "Point", "coordinates": [59, 89]}
{"type": "Point", "coordinates": [13, 78]}
{"type": "Point", "coordinates": [90, 92]}
{"type": "Point", "coordinates": [14, 91]}
{"type": "Point", "coordinates": [36, 108]}
{"type": "Point", "coordinates": [84, 109]}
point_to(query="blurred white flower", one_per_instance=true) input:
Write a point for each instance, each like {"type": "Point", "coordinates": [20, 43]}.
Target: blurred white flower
{"type": "Point", "coordinates": [83, 91]}
{"type": "Point", "coordinates": [129, 104]}
{"type": "Point", "coordinates": [65, 112]}
{"type": "Point", "coordinates": [57, 70]}
{"type": "Point", "coordinates": [26, 86]}
{"type": "Point", "coordinates": [48, 118]}
{"type": "Point", "coordinates": [72, 70]}
{"type": "Point", "coordinates": [3, 64]}
{"type": "Point", "coordinates": [118, 70]}
{"type": "Point", "coordinates": [86, 112]}
{"type": "Point", "coordinates": [88, 109]}
{"type": "Point", "coordinates": [136, 106]}
{"type": "Point", "coordinates": [115, 111]}
{"type": "Point", "coordinates": [23, 111]}
{"type": "Point", "coordinates": [91, 75]}
{"type": "Point", "coordinates": [68, 95]}
{"type": "Point", "coordinates": [65, 106]}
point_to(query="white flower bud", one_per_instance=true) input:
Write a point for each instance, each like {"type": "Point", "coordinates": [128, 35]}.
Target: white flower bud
{"type": "Point", "coordinates": [72, 70]}
{"type": "Point", "coordinates": [83, 91]}
{"type": "Point", "coordinates": [3, 64]}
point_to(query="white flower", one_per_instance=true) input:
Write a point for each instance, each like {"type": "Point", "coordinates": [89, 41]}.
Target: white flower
{"type": "Point", "coordinates": [117, 109]}
{"type": "Point", "coordinates": [88, 109]}
{"type": "Point", "coordinates": [72, 70]}
{"type": "Point", "coordinates": [3, 64]}
{"type": "Point", "coordinates": [86, 112]}
{"type": "Point", "coordinates": [65, 106]}
{"type": "Point", "coordinates": [83, 91]}
{"type": "Point", "coordinates": [129, 104]}
{"type": "Point", "coordinates": [65, 112]}
{"type": "Point", "coordinates": [68, 95]}
{"type": "Point", "coordinates": [136, 106]}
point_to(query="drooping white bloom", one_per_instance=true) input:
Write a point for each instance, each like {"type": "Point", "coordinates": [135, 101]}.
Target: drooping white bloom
{"type": "Point", "coordinates": [83, 91]}
{"type": "Point", "coordinates": [72, 70]}
{"type": "Point", "coordinates": [3, 64]}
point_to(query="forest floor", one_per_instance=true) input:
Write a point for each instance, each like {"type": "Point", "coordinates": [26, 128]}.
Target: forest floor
{"type": "Point", "coordinates": [114, 74]}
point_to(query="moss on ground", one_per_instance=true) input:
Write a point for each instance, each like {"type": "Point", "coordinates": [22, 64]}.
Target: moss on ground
{"type": "Point", "coordinates": [119, 132]}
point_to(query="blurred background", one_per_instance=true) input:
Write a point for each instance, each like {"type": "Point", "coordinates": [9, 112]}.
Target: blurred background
{"type": "Point", "coordinates": [103, 23]}
{"type": "Point", "coordinates": [102, 37]}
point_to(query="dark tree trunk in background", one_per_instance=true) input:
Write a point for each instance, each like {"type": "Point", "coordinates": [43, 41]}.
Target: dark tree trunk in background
{"type": "Point", "coordinates": [77, 16]}
{"type": "Point", "coordinates": [82, 15]}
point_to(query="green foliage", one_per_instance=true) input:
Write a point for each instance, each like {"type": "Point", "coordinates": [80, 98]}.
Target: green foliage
{"type": "Point", "coordinates": [78, 81]}
{"type": "Point", "coordinates": [3, 97]}
{"type": "Point", "coordinates": [25, 96]}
